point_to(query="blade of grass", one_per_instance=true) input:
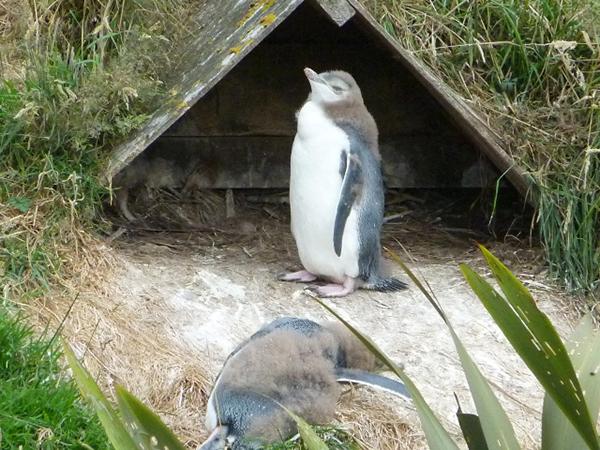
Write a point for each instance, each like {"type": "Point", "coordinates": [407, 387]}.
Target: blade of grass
{"type": "Point", "coordinates": [310, 439]}
{"type": "Point", "coordinates": [584, 349]}
{"type": "Point", "coordinates": [115, 430]}
{"type": "Point", "coordinates": [498, 431]}
{"type": "Point", "coordinates": [536, 341]}
{"type": "Point", "coordinates": [146, 428]}
{"type": "Point", "coordinates": [472, 431]}
{"type": "Point", "coordinates": [437, 436]}
{"type": "Point", "coordinates": [470, 426]}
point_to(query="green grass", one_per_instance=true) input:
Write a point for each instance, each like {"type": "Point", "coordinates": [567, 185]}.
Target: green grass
{"type": "Point", "coordinates": [532, 69]}
{"type": "Point", "coordinates": [78, 80]}
{"type": "Point", "coordinates": [72, 84]}
{"type": "Point", "coordinates": [335, 438]}
{"type": "Point", "coordinates": [39, 406]}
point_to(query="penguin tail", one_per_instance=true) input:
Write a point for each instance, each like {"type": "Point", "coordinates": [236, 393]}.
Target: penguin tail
{"type": "Point", "coordinates": [380, 284]}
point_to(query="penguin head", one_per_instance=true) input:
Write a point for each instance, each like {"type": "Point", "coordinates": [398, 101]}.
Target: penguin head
{"type": "Point", "coordinates": [334, 86]}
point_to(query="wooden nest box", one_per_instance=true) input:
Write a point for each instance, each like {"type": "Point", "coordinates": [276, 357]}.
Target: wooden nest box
{"type": "Point", "coordinates": [240, 80]}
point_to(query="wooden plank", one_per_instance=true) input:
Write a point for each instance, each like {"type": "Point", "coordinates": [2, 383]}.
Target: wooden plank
{"type": "Point", "coordinates": [338, 10]}
{"type": "Point", "coordinates": [468, 121]}
{"type": "Point", "coordinates": [230, 30]}
{"type": "Point", "coordinates": [263, 162]}
{"type": "Point", "coordinates": [271, 86]}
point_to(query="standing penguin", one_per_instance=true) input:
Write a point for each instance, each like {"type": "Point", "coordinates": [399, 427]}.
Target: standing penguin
{"type": "Point", "coordinates": [290, 363]}
{"type": "Point", "coordinates": [336, 189]}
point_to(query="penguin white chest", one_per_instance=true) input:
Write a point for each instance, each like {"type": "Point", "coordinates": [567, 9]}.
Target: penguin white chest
{"type": "Point", "coordinates": [315, 185]}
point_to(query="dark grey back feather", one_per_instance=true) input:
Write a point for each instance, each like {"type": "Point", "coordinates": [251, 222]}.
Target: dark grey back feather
{"type": "Point", "coordinates": [370, 204]}
{"type": "Point", "coordinates": [349, 195]}
{"type": "Point", "coordinates": [268, 422]}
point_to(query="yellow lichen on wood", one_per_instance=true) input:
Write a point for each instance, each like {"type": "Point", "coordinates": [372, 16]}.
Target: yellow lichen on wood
{"type": "Point", "coordinates": [183, 105]}
{"type": "Point", "coordinates": [268, 20]}
{"type": "Point", "coordinates": [238, 48]}
{"type": "Point", "coordinates": [254, 7]}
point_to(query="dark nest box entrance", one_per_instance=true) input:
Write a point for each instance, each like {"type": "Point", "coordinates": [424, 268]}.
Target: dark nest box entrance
{"type": "Point", "coordinates": [231, 120]}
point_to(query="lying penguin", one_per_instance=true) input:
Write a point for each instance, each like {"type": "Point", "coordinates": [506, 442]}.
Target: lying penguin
{"type": "Point", "coordinates": [336, 189]}
{"type": "Point", "coordinates": [293, 363]}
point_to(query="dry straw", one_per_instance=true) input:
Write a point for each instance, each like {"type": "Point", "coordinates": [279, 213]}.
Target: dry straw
{"type": "Point", "coordinates": [531, 70]}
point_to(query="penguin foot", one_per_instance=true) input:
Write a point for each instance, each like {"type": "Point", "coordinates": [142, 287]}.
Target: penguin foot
{"type": "Point", "coordinates": [302, 276]}
{"type": "Point", "coordinates": [335, 290]}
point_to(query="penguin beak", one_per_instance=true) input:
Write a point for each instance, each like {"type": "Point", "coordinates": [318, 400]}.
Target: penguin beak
{"type": "Point", "coordinates": [313, 76]}
{"type": "Point", "coordinates": [321, 91]}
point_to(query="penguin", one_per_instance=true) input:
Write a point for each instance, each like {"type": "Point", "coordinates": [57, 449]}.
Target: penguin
{"type": "Point", "coordinates": [290, 363]}
{"type": "Point", "coordinates": [336, 190]}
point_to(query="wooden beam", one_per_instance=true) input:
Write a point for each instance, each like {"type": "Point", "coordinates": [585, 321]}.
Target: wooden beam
{"type": "Point", "coordinates": [255, 162]}
{"type": "Point", "coordinates": [230, 30]}
{"type": "Point", "coordinates": [339, 11]}
{"type": "Point", "coordinates": [465, 118]}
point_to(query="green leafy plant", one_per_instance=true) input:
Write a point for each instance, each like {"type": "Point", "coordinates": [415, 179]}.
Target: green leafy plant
{"type": "Point", "coordinates": [135, 427]}
{"type": "Point", "coordinates": [570, 410]}
{"type": "Point", "coordinates": [532, 335]}
{"type": "Point", "coordinates": [567, 406]}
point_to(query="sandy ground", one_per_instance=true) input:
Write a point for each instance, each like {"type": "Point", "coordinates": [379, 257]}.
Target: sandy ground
{"type": "Point", "coordinates": [174, 305]}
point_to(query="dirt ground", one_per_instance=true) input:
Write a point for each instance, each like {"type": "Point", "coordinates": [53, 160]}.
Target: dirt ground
{"type": "Point", "coordinates": [174, 303]}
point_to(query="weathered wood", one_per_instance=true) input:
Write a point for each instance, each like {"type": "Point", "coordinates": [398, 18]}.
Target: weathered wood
{"type": "Point", "coordinates": [263, 162]}
{"type": "Point", "coordinates": [231, 29]}
{"type": "Point", "coordinates": [468, 121]}
{"type": "Point", "coordinates": [339, 11]}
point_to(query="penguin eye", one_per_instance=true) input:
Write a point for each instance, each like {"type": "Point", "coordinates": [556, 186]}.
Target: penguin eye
{"type": "Point", "coordinates": [337, 89]}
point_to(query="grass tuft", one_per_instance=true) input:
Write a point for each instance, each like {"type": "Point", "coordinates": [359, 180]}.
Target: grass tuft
{"type": "Point", "coordinates": [80, 77]}
{"type": "Point", "coordinates": [39, 407]}
{"type": "Point", "coordinates": [335, 438]}
{"type": "Point", "coordinates": [532, 69]}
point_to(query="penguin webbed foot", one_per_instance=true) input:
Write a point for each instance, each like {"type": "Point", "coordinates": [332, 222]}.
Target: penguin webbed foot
{"type": "Point", "coordinates": [302, 276]}
{"type": "Point", "coordinates": [335, 289]}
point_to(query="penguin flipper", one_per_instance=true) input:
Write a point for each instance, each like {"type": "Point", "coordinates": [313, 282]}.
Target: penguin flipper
{"type": "Point", "coordinates": [371, 379]}
{"type": "Point", "coordinates": [351, 188]}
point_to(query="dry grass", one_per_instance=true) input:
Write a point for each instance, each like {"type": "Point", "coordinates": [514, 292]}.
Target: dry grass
{"type": "Point", "coordinates": [376, 424]}
{"type": "Point", "coordinates": [175, 210]}
{"type": "Point", "coordinates": [76, 78]}
{"type": "Point", "coordinates": [120, 341]}
{"type": "Point", "coordinates": [15, 16]}
{"type": "Point", "coordinates": [74, 259]}
{"type": "Point", "coordinates": [531, 71]}
{"type": "Point", "coordinates": [117, 346]}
